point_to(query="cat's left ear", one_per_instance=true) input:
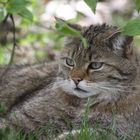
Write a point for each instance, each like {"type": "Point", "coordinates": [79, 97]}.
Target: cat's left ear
{"type": "Point", "coordinates": [121, 43]}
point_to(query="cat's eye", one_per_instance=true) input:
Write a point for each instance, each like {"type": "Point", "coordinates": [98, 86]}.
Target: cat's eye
{"type": "Point", "coordinates": [69, 62]}
{"type": "Point", "coordinates": [95, 65]}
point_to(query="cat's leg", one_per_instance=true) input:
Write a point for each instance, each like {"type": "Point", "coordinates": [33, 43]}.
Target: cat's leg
{"type": "Point", "coordinates": [44, 109]}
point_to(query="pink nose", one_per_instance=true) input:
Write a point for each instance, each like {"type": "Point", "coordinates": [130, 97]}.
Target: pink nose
{"type": "Point", "coordinates": [77, 80]}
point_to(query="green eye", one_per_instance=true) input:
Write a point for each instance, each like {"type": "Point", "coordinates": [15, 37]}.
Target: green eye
{"type": "Point", "coordinates": [95, 65]}
{"type": "Point", "coordinates": [69, 62]}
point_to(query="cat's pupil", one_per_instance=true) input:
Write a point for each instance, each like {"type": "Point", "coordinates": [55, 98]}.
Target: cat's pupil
{"type": "Point", "coordinates": [69, 62]}
{"type": "Point", "coordinates": [95, 65]}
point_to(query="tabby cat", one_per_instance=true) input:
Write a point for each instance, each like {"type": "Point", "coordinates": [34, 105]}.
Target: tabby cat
{"type": "Point", "coordinates": [105, 74]}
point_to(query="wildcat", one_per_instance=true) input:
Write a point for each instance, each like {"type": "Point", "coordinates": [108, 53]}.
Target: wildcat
{"type": "Point", "coordinates": [104, 74]}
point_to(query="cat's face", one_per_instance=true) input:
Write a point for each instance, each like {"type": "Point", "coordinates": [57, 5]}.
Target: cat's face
{"type": "Point", "coordinates": [100, 70]}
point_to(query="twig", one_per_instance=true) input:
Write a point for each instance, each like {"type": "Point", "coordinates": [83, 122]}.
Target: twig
{"type": "Point", "coordinates": [14, 40]}
{"type": "Point", "coordinates": [14, 45]}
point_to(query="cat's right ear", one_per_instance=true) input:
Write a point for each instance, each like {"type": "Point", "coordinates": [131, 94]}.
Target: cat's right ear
{"type": "Point", "coordinates": [121, 43]}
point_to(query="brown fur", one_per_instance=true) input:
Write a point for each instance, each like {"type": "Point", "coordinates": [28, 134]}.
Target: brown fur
{"type": "Point", "coordinates": [43, 94]}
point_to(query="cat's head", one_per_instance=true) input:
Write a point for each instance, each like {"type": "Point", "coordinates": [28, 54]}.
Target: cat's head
{"type": "Point", "coordinates": [105, 69]}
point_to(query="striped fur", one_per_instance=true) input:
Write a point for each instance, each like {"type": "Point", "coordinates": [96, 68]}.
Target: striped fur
{"type": "Point", "coordinates": [51, 94]}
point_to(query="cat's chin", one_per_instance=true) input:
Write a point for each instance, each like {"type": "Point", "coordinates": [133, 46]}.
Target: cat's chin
{"type": "Point", "coordinates": [81, 93]}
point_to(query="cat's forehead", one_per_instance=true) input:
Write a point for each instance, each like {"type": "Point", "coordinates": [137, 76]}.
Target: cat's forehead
{"type": "Point", "coordinates": [100, 43]}
{"type": "Point", "coordinates": [83, 55]}
{"type": "Point", "coordinates": [95, 35]}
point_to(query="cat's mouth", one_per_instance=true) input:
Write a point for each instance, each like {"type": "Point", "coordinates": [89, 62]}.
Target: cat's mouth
{"type": "Point", "coordinates": [79, 89]}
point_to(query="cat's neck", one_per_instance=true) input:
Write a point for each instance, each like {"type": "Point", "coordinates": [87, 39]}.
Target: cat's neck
{"type": "Point", "coordinates": [124, 105]}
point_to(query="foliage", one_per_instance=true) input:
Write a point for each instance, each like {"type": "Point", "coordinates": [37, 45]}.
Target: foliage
{"type": "Point", "coordinates": [132, 28]}
{"type": "Point", "coordinates": [84, 133]}
{"type": "Point", "coordinates": [25, 8]}
{"type": "Point", "coordinates": [20, 7]}
{"type": "Point", "coordinates": [15, 7]}
{"type": "Point", "coordinates": [10, 134]}
{"type": "Point", "coordinates": [137, 5]}
{"type": "Point", "coordinates": [65, 30]}
{"type": "Point", "coordinates": [91, 4]}
{"type": "Point", "coordinates": [2, 13]}
{"type": "Point", "coordinates": [2, 108]}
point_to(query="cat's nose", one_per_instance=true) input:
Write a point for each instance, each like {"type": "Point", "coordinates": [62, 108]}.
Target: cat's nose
{"type": "Point", "coordinates": [77, 80]}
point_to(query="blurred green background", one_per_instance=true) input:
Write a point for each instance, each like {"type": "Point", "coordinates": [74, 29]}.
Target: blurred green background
{"type": "Point", "coordinates": [37, 39]}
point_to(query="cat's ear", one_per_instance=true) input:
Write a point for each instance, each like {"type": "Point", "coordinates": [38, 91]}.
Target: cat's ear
{"type": "Point", "coordinates": [121, 43]}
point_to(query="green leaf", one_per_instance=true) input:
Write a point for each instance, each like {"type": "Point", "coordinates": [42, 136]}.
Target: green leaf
{"type": "Point", "coordinates": [2, 14]}
{"type": "Point", "coordinates": [62, 27]}
{"type": "Point", "coordinates": [15, 6]}
{"type": "Point", "coordinates": [137, 4]}
{"type": "Point", "coordinates": [3, 1]}
{"type": "Point", "coordinates": [19, 7]}
{"type": "Point", "coordinates": [25, 13]}
{"type": "Point", "coordinates": [92, 4]}
{"type": "Point", "coordinates": [65, 30]}
{"type": "Point", "coordinates": [132, 28]}
{"type": "Point", "coordinates": [18, 2]}
{"type": "Point", "coordinates": [14, 9]}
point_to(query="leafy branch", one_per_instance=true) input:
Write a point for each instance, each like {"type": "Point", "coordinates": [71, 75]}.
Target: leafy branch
{"type": "Point", "coordinates": [92, 4]}
{"type": "Point", "coordinates": [7, 10]}
{"type": "Point", "coordinates": [14, 44]}
{"type": "Point", "coordinates": [14, 7]}
{"type": "Point", "coordinates": [64, 29]}
{"type": "Point", "coordinates": [132, 27]}
{"type": "Point", "coordinates": [14, 39]}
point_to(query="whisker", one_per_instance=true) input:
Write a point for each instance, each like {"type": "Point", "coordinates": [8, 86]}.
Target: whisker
{"type": "Point", "coordinates": [115, 89]}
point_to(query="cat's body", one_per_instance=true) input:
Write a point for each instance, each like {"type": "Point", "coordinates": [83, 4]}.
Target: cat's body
{"type": "Point", "coordinates": [105, 75]}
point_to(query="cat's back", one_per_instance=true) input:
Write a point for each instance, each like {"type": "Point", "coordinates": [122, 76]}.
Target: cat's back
{"type": "Point", "coordinates": [18, 81]}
